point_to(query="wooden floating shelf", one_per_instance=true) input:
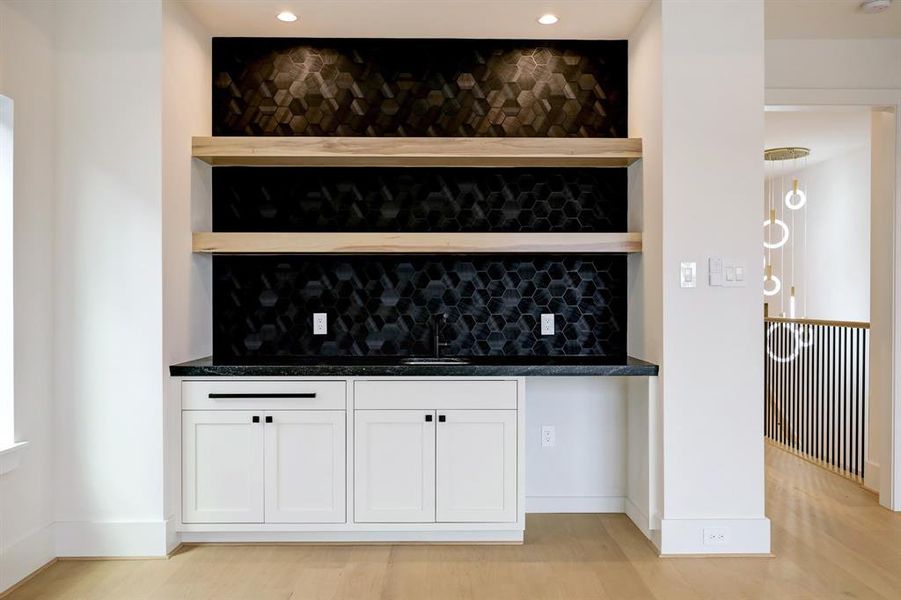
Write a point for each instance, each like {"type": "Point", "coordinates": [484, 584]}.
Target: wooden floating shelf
{"type": "Point", "coordinates": [416, 152]}
{"type": "Point", "coordinates": [381, 243]}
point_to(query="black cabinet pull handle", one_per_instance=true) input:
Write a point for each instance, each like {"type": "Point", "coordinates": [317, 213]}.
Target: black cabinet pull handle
{"type": "Point", "coordinates": [269, 419]}
{"type": "Point", "coordinates": [428, 418]}
{"type": "Point", "coordinates": [238, 396]}
{"type": "Point", "coordinates": [256, 419]}
{"type": "Point", "coordinates": [441, 418]}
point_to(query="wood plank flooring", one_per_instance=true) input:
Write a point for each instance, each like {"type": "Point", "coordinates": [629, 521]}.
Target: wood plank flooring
{"type": "Point", "coordinates": [830, 539]}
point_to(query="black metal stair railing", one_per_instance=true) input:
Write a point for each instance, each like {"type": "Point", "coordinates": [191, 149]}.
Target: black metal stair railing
{"type": "Point", "coordinates": [816, 390]}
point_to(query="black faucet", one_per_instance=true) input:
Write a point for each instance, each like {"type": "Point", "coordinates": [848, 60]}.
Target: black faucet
{"type": "Point", "coordinates": [438, 324]}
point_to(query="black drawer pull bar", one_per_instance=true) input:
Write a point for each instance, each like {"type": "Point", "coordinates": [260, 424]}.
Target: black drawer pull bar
{"type": "Point", "coordinates": [301, 395]}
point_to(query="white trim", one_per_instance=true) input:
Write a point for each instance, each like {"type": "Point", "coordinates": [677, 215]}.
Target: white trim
{"type": "Point", "coordinates": [575, 504]}
{"type": "Point", "coordinates": [424, 527]}
{"type": "Point", "coordinates": [11, 456]}
{"type": "Point", "coordinates": [638, 516]}
{"type": "Point", "coordinates": [686, 536]}
{"type": "Point", "coordinates": [350, 537]}
{"type": "Point", "coordinates": [125, 538]}
{"type": "Point", "coordinates": [871, 477]}
{"type": "Point", "coordinates": [173, 538]}
{"type": "Point", "coordinates": [26, 555]}
{"type": "Point", "coordinates": [7, 270]}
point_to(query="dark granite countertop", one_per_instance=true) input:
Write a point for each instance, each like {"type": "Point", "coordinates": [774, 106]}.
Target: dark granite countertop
{"type": "Point", "coordinates": [486, 366]}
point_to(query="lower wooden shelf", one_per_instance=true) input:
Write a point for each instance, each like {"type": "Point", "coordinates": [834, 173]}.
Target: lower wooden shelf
{"type": "Point", "coordinates": [423, 243]}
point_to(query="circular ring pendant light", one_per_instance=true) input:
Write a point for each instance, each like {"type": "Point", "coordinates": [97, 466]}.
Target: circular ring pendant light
{"type": "Point", "coordinates": [795, 199]}
{"type": "Point", "coordinates": [777, 286]}
{"type": "Point", "coordinates": [776, 222]}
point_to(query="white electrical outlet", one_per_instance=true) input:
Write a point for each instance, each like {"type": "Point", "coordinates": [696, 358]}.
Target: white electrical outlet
{"type": "Point", "coordinates": [548, 436]}
{"type": "Point", "coordinates": [547, 324]}
{"type": "Point", "coordinates": [320, 323]}
{"type": "Point", "coordinates": [716, 536]}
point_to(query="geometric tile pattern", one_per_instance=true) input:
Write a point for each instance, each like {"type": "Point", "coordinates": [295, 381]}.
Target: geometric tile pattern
{"type": "Point", "coordinates": [267, 199]}
{"type": "Point", "coordinates": [383, 306]}
{"type": "Point", "coordinates": [417, 87]}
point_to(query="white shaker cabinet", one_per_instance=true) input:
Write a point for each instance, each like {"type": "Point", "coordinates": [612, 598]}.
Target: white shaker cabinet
{"type": "Point", "coordinates": [222, 453]}
{"type": "Point", "coordinates": [394, 466]}
{"type": "Point", "coordinates": [355, 459]}
{"type": "Point", "coordinates": [454, 460]}
{"type": "Point", "coordinates": [475, 471]}
{"type": "Point", "coordinates": [304, 474]}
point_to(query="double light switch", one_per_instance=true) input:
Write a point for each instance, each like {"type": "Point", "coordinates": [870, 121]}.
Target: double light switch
{"type": "Point", "coordinates": [726, 273]}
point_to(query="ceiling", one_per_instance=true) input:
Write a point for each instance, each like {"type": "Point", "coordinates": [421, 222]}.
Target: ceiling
{"type": "Point", "coordinates": [829, 19]}
{"type": "Point", "coordinates": [579, 19]}
{"type": "Point", "coordinates": [827, 132]}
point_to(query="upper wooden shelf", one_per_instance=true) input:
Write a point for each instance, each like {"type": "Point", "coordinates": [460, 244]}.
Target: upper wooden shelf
{"type": "Point", "coordinates": [416, 152]}
{"type": "Point", "coordinates": [378, 243]}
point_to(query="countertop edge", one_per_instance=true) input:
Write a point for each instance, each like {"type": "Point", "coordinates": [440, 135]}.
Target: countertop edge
{"type": "Point", "coordinates": [634, 368]}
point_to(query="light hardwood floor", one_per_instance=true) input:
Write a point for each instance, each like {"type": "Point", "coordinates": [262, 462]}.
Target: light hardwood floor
{"type": "Point", "coordinates": [830, 540]}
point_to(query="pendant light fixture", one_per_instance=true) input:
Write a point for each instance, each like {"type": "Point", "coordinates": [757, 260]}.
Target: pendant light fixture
{"type": "Point", "coordinates": [781, 207]}
{"type": "Point", "coordinates": [777, 223]}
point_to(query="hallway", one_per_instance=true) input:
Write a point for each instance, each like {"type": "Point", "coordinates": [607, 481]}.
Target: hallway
{"type": "Point", "coordinates": [830, 540]}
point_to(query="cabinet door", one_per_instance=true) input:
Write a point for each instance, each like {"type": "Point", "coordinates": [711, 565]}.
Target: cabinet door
{"type": "Point", "coordinates": [305, 466]}
{"type": "Point", "coordinates": [476, 466]}
{"type": "Point", "coordinates": [394, 466]}
{"type": "Point", "coordinates": [222, 470]}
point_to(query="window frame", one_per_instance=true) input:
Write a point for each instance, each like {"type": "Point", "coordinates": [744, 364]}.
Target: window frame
{"type": "Point", "coordinates": [7, 316]}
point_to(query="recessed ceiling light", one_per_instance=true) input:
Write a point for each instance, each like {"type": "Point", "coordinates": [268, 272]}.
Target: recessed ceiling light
{"type": "Point", "coordinates": [286, 16]}
{"type": "Point", "coordinates": [875, 6]}
{"type": "Point", "coordinates": [548, 19]}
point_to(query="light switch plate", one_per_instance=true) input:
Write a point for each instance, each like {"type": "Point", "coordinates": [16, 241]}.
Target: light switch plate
{"type": "Point", "coordinates": [688, 274]}
{"type": "Point", "coordinates": [715, 270]}
{"type": "Point", "coordinates": [725, 272]}
{"type": "Point", "coordinates": [547, 324]}
{"type": "Point", "coordinates": [320, 323]}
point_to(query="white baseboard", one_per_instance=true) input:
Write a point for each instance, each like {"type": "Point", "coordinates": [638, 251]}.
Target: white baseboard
{"type": "Point", "coordinates": [173, 538]}
{"type": "Point", "coordinates": [575, 504]}
{"type": "Point", "coordinates": [686, 536]}
{"type": "Point", "coordinates": [352, 537]}
{"type": "Point", "coordinates": [639, 517]}
{"type": "Point", "coordinates": [127, 538]}
{"type": "Point", "coordinates": [871, 477]}
{"type": "Point", "coordinates": [26, 555]}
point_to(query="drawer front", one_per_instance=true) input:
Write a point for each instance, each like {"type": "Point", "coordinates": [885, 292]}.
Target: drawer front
{"type": "Point", "coordinates": [435, 394]}
{"type": "Point", "coordinates": [263, 395]}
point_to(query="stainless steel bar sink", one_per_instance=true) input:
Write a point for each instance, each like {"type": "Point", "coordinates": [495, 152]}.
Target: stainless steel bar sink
{"type": "Point", "coordinates": [431, 360]}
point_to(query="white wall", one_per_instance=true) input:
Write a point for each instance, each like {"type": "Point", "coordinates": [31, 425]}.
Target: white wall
{"type": "Point", "coordinates": [108, 264]}
{"type": "Point", "coordinates": [187, 309]}
{"type": "Point", "coordinates": [712, 358]}
{"type": "Point", "coordinates": [839, 64]}
{"type": "Point", "coordinates": [585, 471]}
{"type": "Point", "coordinates": [26, 75]}
{"type": "Point", "coordinates": [832, 275]}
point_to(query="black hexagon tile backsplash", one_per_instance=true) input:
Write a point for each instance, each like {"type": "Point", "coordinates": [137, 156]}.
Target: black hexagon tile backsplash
{"type": "Point", "coordinates": [367, 87]}
{"type": "Point", "coordinates": [383, 306]}
{"type": "Point", "coordinates": [396, 199]}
